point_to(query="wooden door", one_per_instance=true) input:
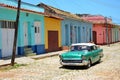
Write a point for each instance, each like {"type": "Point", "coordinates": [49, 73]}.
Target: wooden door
{"type": "Point", "coordinates": [7, 39]}
{"type": "Point", "coordinates": [53, 41]}
{"type": "Point", "coordinates": [95, 37]}
{"type": "Point", "coordinates": [25, 33]}
{"type": "Point", "coordinates": [37, 32]}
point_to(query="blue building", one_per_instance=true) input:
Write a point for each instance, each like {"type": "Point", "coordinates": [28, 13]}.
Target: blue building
{"type": "Point", "coordinates": [75, 31]}
{"type": "Point", "coordinates": [31, 28]}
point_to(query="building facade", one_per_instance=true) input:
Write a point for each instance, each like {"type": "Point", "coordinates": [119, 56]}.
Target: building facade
{"type": "Point", "coordinates": [102, 34]}
{"type": "Point", "coordinates": [104, 31]}
{"type": "Point", "coordinates": [30, 30]}
{"type": "Point", "coordinates": [75, 31]}
{"type": "Point", "coordinates": [52, 33]}
{"type": "Point", "coordinates": [115, 33]}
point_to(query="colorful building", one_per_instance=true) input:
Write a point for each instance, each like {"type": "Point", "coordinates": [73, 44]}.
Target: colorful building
{"type": "Point", "coordinates": [115, 33]}
{"type": "Point", "coordinates": [52, 33]}
{"type": "Point", "coordinates": [104, 31]}
{"type": "Point", "coordinates": [73, 29]}
{"type": "Point", "coordinates": [31, 28]}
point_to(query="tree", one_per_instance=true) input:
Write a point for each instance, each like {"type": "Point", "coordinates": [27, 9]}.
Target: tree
{"type": "Point", "coordinates": [16, 33]}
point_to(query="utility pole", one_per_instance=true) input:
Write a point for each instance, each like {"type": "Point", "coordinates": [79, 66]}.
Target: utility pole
{"type": "Point", "coordinates": [16, 33]}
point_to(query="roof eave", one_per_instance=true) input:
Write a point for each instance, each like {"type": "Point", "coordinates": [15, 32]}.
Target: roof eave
{"type": "Point", "coordinates": [12, 7]}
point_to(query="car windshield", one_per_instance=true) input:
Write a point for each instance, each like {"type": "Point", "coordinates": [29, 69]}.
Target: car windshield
{"type": "Point", "coordinates": [79, 48]}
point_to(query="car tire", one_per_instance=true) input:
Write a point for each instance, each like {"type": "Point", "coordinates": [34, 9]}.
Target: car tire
{"type": "Point", "coordinates": [99, 60]}
{"type": "Point", "coordinates": [89, 64]}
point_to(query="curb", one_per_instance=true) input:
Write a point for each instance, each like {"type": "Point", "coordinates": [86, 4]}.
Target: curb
{"type": "Point", "coordinates": [51, 54]}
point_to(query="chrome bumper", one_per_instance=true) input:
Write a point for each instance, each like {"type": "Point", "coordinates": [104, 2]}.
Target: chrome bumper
{"type": "Point", "coordinates": [83, 63]}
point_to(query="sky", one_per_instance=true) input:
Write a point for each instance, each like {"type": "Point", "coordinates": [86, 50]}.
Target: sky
{"type": "Point", "coordinates": [107, 8]}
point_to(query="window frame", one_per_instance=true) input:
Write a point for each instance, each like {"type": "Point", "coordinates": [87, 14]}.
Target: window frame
{"type": "Point", "coordinates": [7, 24]}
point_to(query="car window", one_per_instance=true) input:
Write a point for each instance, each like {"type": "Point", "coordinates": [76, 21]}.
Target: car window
{"type": "Point", "coordinates": [79, 48]}
{"type": "Point", "coordinates": [93, 47]}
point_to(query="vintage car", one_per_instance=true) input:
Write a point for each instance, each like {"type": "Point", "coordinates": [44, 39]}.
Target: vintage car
{"type": "Point", "coordinates": [81, 54]}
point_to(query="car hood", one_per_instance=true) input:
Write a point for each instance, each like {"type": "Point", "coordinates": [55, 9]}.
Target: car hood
{"type": "Point", "coordinates": [72, 55]}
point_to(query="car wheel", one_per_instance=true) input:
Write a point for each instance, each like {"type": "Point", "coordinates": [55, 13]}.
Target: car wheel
{"type": "Point", "coordinates": [89, 64]}
{"type": "Point", "coordinates": [99, 60]}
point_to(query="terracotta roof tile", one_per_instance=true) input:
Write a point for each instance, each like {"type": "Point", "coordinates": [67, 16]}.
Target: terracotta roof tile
{"type": "Point", "coordinates": [62, 13]}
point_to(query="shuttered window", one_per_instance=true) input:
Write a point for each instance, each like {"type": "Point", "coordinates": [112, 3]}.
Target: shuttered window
{"type": "Point", "coordinates": [66, 35]}
{"type": "Point", "coordinates": [8, 24]}
{"type": "Point", "coordinates": [79, 35]}
{"type": "Point", "coordinates": [37, 29]}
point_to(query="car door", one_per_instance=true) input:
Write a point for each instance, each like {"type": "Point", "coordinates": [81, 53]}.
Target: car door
{"type": "Point", "coordinates": [94, 53]}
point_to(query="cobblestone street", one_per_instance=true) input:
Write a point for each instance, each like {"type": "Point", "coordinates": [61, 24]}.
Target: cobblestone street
{"type": "Point", "coordinates": [50, 69]}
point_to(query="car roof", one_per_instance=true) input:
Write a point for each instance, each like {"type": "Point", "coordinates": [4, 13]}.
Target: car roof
{"type": "Point", "coordinates": [87, 44]}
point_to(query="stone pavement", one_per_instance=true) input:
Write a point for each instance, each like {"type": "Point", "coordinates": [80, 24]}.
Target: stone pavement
{"type": "Point", "coordinates": [29, 59]}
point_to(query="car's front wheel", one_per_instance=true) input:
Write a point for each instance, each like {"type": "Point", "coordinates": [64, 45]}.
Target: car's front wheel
{"type": "Point", "coordinates": [89, 64]}
{"type": "Point", "coordinates": [99, 60]}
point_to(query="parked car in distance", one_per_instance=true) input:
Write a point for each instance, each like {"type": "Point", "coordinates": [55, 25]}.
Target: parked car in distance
{"type": "Point", "coordinates": [81, 54]}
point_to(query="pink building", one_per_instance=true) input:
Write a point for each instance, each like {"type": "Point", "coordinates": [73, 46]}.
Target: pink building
{"type": "Point", "coordinates": [104, 32]}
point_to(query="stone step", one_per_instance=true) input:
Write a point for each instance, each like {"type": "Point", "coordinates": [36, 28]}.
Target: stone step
{"type": "Point", "coordinates": [27, 49]}
{"type": "Point", "coordinates": [29, 52]}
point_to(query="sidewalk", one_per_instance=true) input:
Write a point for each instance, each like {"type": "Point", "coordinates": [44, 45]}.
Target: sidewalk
{"type": "Point", "coordinates": [30, 59]}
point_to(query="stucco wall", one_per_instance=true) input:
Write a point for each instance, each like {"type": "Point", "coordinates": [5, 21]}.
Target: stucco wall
{"type": "Point", "coordinates": [0, 36]}
{"type": "Point", "coordinates": [119, 34]}
{"type": "Point", "coordinates": [114, 34]}
{"type": "Point", "coordinates": [52, 24]}
{"type": "Point", "coordinates": [10, 15]}
{"type": "Point", "coordinates": [82, 33]}
{"type": "Point", "coordinates": [100, 33]}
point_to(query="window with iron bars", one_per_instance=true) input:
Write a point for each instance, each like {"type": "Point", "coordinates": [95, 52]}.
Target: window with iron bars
{"type": "Point", "coordinates": [7, 24]}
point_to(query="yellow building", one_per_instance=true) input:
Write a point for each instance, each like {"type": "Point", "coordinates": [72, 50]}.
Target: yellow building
{"type": "Point", "coordinates": [52, 33]}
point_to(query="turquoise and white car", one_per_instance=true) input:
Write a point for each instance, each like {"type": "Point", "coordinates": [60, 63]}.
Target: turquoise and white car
{"type": "Point", "coordinates": [81, 54]}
